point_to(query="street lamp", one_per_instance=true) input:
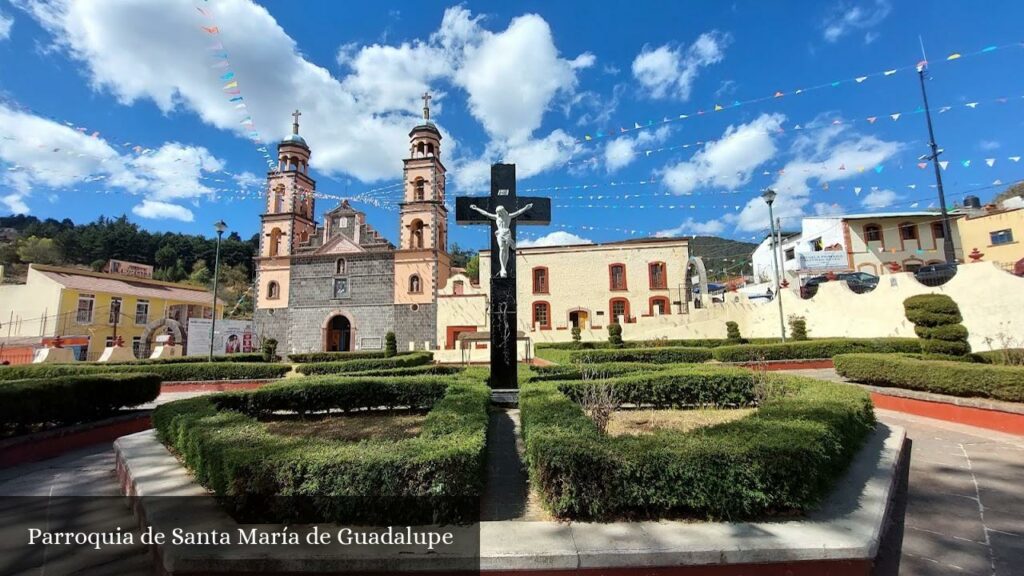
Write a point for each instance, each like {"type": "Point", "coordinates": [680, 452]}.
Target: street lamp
{"type": "Point", "coordinates": [769, 198]}
{"type": "Point", "coordinates": [220, 226]}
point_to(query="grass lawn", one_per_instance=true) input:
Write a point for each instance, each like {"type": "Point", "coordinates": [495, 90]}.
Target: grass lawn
{"type": "Point", "coordinates": [635, 422]}
{"type": "Point", "coordinates": [553, 355]}
{"type": "Point", "coordinates": [352, 427]}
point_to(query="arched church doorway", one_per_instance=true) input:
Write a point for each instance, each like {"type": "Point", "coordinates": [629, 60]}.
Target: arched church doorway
{"type": "Point", "coordinates": [339, 334]}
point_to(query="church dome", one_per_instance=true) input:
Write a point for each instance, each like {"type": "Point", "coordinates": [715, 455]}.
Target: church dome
{"type": "Point", "coordinates": [294, 139]}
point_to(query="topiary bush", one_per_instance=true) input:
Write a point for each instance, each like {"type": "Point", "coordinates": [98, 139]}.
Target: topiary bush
{"type": "Point", "coordinates": [390, 345]}
{"type": "Point", "coordinates": [577, 335]}
{"type": "Point", "coordinates": [269, 349]}
{"type": "Point", "coordinates": [615, 335]}
{"type": "Point", "coordinates": [936, 319]}
{"type": "Point", "coordinates": [72, 399]}
{"type": "Point", "coordinates": [663, 355]}
{"type": "Point", "coordinates": [798, 328]}
{"type": "Point", "coordinates": [938, 376]}
{"type": "Point", "coordinates": [732, 333]}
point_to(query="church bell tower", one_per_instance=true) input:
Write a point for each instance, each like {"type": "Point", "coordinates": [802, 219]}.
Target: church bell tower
{"type": "Point", "coordinates": [287, 220]}
{"type": "Point", "coordinates": [422, 263]}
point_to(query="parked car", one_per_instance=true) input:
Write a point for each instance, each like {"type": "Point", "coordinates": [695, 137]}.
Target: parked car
{"type": "Point", "coordinates": [859, 282]}
{"type": "Point", "coordinates": [810, 286]}
{"type": "Point", "coordinates": [935, 274]}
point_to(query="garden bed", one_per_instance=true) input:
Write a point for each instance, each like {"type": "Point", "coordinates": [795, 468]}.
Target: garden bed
{"type": "Point", "coordinates": [260, 476]}
{"type": "Point", "coordinates": [173, 371]}
{"type": "Point", "coordinates": [937, 376]}
{"type": "Point", "coordinates": [779, 461]}
{"type": "Point", "coordinates": [366, 364]}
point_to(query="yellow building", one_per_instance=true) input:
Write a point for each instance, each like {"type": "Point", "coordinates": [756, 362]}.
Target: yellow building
{"type": "Point", "coordinates": [86, 307]}
{"type": "Point", "coordinates": [999, 235]}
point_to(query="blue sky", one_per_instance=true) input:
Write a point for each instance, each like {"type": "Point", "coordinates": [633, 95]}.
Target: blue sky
{"type": "Point", "coordinates": [125, 108]}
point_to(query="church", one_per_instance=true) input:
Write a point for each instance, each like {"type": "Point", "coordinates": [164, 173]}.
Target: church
{"type": "Point", "coordinates": [338, 285]}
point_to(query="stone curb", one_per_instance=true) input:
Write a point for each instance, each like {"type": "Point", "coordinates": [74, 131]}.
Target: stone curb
{"type": "Point", "coordinates": [979, 403]}
{"type": "Point", "coordinates": [847, 528]}
{"type": "Point", "coordinates": [51, 443]}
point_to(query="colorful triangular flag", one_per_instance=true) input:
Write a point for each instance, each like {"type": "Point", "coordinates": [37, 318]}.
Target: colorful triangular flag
{"type": "Point", "coordinates": [966, 163]}
{"type": "Point", "coordinates": [895, 116]}
{"type": "Point", "coordinates": [1015, 158]}
{"type": "Point", "coordinates": [990, 161]}
{"type": "Point", "coordinates": [971, 104]}
{"type": "Point", "coordinates": [856, 190]}
{"type": "Point", "coordinates": [922, 165]}
{"type": "Point", "coordinates": [953, 56]}
{"type": "Point", "coordinates": [860, 79]}
{"type": "Point", "coordinates": [717, 108]}
{"type": "Point", "coordinates": [889, 72]}
{"type": "Point", "coordinates": [943, 164]}
{"type": "Point", "coordinates": [871, 120]}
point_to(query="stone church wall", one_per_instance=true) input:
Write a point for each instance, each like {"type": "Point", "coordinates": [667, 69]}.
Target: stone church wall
{"type": "Point", "coordinates": [416, 326]}
{"type": "Point", "coordinates": [273, 323]}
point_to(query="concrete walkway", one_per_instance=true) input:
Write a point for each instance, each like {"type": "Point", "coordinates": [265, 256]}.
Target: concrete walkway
{"type": "Point", "coordinates": [964, 512]}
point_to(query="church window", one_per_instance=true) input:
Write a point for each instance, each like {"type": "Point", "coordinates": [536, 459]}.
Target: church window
{"type": "Point", "coordinates": [273, 291]}
{"type": "Point", "coordinates": [542, 315]}
{"type": "Point", "coordinates": [275, 242]}
{"type": "Point", "coordinates": [418, 189]}
{"type": "Point", "coordinates": [416, 234]}
{"type": "Point", "coordinates": [430, 149]}
{"type": "Point", "coordinates": [658, 279]}
{"type": "Point", "coordinates": [339, 266]}
{"type": "Point", "coordinates": [420, 148]}
{"type": "Point", "coordinates": [540, 280]}
{"type": "Point", "coordinates": [415, 285]}
{"type": "Point", "coordinates": [278, 199]}
{"type": "Point", "coordinates": [617, 276]}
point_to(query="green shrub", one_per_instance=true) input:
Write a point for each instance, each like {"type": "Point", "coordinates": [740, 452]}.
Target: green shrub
{"type": "Point", "coordinates": [188, 371]}
{"type": "Point", "coordinates": [676, 387]}
{"type": "Point", "coordinates": [72, 399]}
{"type": "Point", "coordinates": [424, 370]}
{"type": "Point", "coordinates": [1005, 356]}
{"type": "Point", "coordinates": [687, 342]}
{"type": "Point", "coordinates": [783, 459]}
{"type": "Point", "coordinates": [732, 333]}
{"type": "Point", "coordinates": [310, 357]}
{"type": "Point", "coordinates": [263, 477]}
{"type": "Point", "coordinates": [664, 355]}
{"type": "Point", "coordinates": [402, 361]}
{"type": "Point", "coordinates": [615, 335]}
{"type": "Point", "coordinates": [940, 377]}
{"type": "Point", "coordinates": [244, 357]}
{"type": "Point", "coordinates": [577, 371]}
{"type": "Point", "coordinates": [390, 345]}
{"type": "Point", "coordinates": [269, 349]}
{"type": "Point", "coordinates": [936, 319]}
{"type": "Point", "coordinates": [577, 334]}
{"type": "Point", "coordinates": [813, 349]}
{"type": "Point", "coordinates": [798, 328]}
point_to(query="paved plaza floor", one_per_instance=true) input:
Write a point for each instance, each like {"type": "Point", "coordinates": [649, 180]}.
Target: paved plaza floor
{"type": "Point", "coordinates": [964, 511]}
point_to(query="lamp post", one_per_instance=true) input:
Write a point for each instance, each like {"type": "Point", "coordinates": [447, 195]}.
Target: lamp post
{"type": "Point", "coordinates": [769, 199]}
{"type": "Point", "coordinates": [220, 226]}
{"type": "Point", "coordinates": [947, 240]}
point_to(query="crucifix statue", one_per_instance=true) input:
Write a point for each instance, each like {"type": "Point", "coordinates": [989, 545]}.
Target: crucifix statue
{"type": "Point", "coordinates": [502, 210]}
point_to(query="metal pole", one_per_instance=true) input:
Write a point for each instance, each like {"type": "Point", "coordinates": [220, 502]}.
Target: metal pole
{"type": "Point", "coordinates": [775, 265]}
{"type": "Point", "coordinates": [216, 278]}
{"type": "Point", "coordinates": [947, 241]}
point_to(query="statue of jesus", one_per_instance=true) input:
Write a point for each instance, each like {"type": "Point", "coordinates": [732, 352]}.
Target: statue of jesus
{"type": "Point", "coordinates": [503, 232]}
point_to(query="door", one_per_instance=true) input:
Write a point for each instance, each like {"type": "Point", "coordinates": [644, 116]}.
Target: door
{"type": "Point", "coordinates": [339, 334]}
{"type": "Point", "coordinates": [578, 318]}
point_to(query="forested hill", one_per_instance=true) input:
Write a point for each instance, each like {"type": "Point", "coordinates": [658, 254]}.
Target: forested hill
{"type": "Point", "coordinates": [723, 254]}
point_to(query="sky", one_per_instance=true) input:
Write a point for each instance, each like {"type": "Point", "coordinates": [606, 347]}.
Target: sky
{"type": "Point", "coordinates": [637, 118]}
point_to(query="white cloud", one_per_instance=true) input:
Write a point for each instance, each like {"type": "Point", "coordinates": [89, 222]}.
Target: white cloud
{"type": "Point", "coordinates": [15, 203]}
{"type": "Point", "coordinates": [989, 145]}
{"type": "Point", "coordinates": [6, 22]}
{"type": "Point", "coordinates": [691, 227]}
{"type": "Point", "coordinates": [162, 211]}
{"type": "Point", "coordinates": [620, 152]}
{"type": "Point", "coordinates": [818, 157]}
{"type": "Point", "coordinates": [558, 238]}
{"type": "Point", "coordinates": [394, 78]}
{"type": "Point", "coordinates": [846, 17]}
{"type": "Point", "coordinates": [531, 157]}
{"type": "Point", "coordinates": [669, 72]}
{"type": "Point", "coordinates": [826, 209]}
{"type": "Point", "coordinates": [729, 161]}
{"type": "Point", "coordinates": [879, 199]}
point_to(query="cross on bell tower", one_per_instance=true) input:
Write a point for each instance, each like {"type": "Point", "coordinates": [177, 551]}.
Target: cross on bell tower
{"type": "Point", "coordinates": [295, 121]}
{"type": "Point", "coordinates": [426, 105]}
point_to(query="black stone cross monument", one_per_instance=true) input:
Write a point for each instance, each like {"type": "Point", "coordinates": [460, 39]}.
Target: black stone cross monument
{"type": "Point", "coordinates": [503, 289]}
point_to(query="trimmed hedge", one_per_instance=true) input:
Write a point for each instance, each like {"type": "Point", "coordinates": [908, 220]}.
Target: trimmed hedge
{"type": "Point", "coordinates": [310, 357]}
{"type": "Point", "coordinates": [663, 355]}
{"type": "Point", "coordinates": [424, 370]}
{"type": "Point", "coordinates": [590, 371]}
{"type": "Point", "coordinates": [262, 477]}
{"type": "Point", "coordinates": [1006, 356]}
{"type": "Point", "coordinates": [187, 371]}
{"type": "Point", "coordinates": [243, 357]}
{"type": "Point", "coordinates": [403, 361]}
{"type": "Point", "coordinates": [784, 458]}
{"type": "Point", "coordinates": [813, 349]}
{"type": "Point", "coordinates": [72, 399]}
{"type": "Point", "coordinates": [682, 386]}
{"type": "Point", "coordinates": [938, 376]}
{"type": "Point", "coordinates": [687, 342]}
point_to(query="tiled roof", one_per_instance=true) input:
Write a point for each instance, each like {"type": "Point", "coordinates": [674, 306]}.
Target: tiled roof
{"type": "Point", "coordinates": [87, 281]}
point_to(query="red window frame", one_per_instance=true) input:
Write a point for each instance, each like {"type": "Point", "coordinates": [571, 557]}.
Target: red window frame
{"type": "Point", "coordinates": [537, 288]}
{"type": "Point", "coordinates": [547, 310]}
{"type": "Point", "coordinates": [881, 234]}
{"type": "Point", "coordinates": [613, 317]}
{"type": "Point", "coordinates": [611, 277]}
{"type": "Point", "coordinates": [651, 267]}
{"type": "Point", "coordinates": [663, 300]}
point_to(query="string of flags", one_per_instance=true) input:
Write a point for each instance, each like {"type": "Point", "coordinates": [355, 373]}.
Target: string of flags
{"type": "Point", "coordinates": [231, 88]}
{"type": "Point", "coordinates": [818, 125]}
{"type": "Point", "coordinates": [850, 81]}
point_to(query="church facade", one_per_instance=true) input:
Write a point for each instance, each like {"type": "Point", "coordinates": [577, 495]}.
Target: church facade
{"type": "Point", "coordinates": [340, 285]}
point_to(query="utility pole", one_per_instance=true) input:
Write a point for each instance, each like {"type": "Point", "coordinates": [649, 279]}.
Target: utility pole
{"type": "Point", "coordinates": [947, 240]}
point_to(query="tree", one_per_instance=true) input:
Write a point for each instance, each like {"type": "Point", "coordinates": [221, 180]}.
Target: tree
{"type": "Point", "coordinates": [473, 268]}
{"type": "Point", "coordinates": [39, 251]}
{"type": "Point", "coordinates": [201, 275]}
{"type": "Point", "coordinates": [165, 257]}
{"type": "Point", "coordinates": [390, 345]}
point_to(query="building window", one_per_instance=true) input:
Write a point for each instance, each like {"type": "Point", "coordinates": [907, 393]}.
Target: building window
{"type": "Point", "coordinates": [659, 306]}
{"type": "Point", "coordinates": [339, 266]}
{"type": "Point", "coordinates": [658, 278]}
{"type": "Point", "coordinates": [115, 311]}
{"type": "Point", "coordinates": [1001, 237]}
{"type": "Point", "coordinates": [790, 254]}
{"type": "Point", "coordinates": [938, 230]}
{"type": "Point", "coordinates": [416, 234]}
{"type": "Point", "coordinates": [137, 346]}
{"type": "Point", "coordinates": [273, 291]}
{"type": "Point", "coordinates": [458, 287]}
{"type": "Point", "coordinates": [86, 303]}
{"type": "Point", "coordinates": [540, 280]}
{"type": "Point", "coordinates": [275, 242]}
{"type": "Point", "coordinates": [872, 233]}
{"type": "Point", "coordinates": [108, 342]}
{"type": "Point", "coordinates": [908, 231]}
{"type": "Point", "coordinates": [418, 188]}
{"type": "Point", "coordinates": [340, 288]}
{"type": "Point", "coordinates": [619, 308]}
{"type": "Point", "coordinates": [542, 315]}
{"type": "Point", "coordinates": [141, 312]}
{"type": "Point", "coordinates": [817, 245]}
{"type": "Point", "coordinates": [415, 286]}
{"type": "Point", "coordinates": [617, 276]}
